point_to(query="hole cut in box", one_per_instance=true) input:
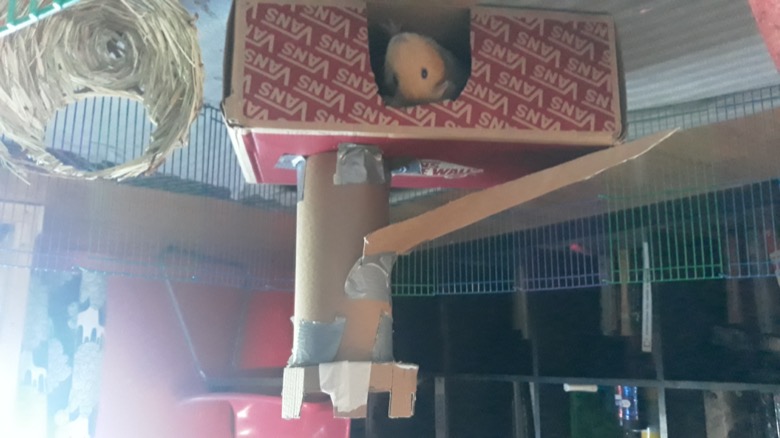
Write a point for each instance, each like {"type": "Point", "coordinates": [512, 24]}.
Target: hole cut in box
{"type": "Point", "coordinates": [448, 26]}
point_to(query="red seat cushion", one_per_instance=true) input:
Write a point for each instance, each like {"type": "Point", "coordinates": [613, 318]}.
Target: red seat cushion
{"type": "Point", "coordinates": [258, 416]}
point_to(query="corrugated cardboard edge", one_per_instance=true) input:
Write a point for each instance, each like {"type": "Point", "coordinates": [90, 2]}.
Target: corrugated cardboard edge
{"type": "Point", "coordinates": [362, 3]}
{"type": "Point", "coordinates": [399, 379]}
{"type": "Point", "coordinates": [227, 62]}
{"type": "Point", "coordinates": [234, 119]}
{"type": "Point", "coordinates": [232, 108]}
{"type": "Point", "coordinates": [232, 112]}
{"type": "Point", "coordinates": [240, 149]}
{"type": "Point", "coordinates": [402, 237]}
{"type": "Point", "coordinates": [622, 101]}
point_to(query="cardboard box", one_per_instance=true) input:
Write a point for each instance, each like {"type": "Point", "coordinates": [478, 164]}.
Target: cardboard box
{"type": "Point", "coordinates": [545, 88]}
{"type": "Point", "coordinates": [20, 226]}
{"type": "Point", "coordinates": [350, 401]}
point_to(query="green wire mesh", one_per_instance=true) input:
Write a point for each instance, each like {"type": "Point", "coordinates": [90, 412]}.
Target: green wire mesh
{"type": "Point", "coordinates": [20, 13]}
{"type": "Point", "coordinates": [718, 235]}
{"type": "Point", "coordinates": [700, 231]}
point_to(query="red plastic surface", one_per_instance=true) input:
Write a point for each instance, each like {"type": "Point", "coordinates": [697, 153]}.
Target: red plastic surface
{"type": "Point", "coordinates": [212, 419]}
{"type": "Point", "coordinates": [767, 14]}
{"type": "Point", "coordinates": [268, 331]}
{"type": "Point", "coordinates": [258, 416]}
{"type": "Point", "coordinates": [505, 161]}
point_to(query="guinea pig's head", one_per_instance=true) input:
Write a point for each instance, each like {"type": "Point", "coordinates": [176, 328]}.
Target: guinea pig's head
{"type": "Point", "coordinates": [418, 68]}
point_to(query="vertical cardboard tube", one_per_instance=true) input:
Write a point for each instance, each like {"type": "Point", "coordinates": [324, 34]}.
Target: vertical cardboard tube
{"type": "Point", "coordinates": [332, 221]}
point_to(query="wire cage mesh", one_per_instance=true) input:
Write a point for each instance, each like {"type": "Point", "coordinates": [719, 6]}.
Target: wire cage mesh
{"type": "Point", "coordinates": [702, 228]}
{"type": "Point", "coordinates": [723, 234]}
{"type": "Point", "coordinates": [701, 231]}
{"type": "Point", "coordinates": [703, 112]}
{"type": "Point", "coordinates": [101, 132]}
{"type": "Point", "coordinates": [138, 227]}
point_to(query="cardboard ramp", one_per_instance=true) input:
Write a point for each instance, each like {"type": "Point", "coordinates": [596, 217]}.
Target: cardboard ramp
{"type": "Point", "coordinates": [719, 155]}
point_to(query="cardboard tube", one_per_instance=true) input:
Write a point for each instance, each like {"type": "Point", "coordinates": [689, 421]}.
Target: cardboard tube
{"type": "Point", "coordinates": [332, 221]}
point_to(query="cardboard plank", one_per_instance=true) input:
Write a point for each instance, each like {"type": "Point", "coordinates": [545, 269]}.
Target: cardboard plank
{"type": "Point", "coordinates": [402, 237]}
{"type": "Point", "coordinates": [694, 161]}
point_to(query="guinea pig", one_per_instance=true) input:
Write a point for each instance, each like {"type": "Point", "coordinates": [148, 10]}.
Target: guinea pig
{"type": "Point", "coordinates": [418, 70]}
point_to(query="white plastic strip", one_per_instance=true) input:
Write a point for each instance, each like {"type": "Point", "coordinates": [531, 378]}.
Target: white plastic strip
{"type": "Point", "coordinates": [580, 388]}
{"type": "Point", "coordinates": [347, 384]}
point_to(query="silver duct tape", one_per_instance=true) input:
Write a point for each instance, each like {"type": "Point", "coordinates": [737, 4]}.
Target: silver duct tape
{"type": "Point", "coordinates": [397, 166]}
{"type": "Point", "coordinates": [298, 164]}
{"type": "Point", "coordinates": [315, 342]}
{"type": "Point", "coordinates": [360, 164]}
{"type": "Point", "coordinates": [383, 344]}
{"type": "Point", "coordinates": [369, 278]}
{"type": "Point", "coordinates": [300, 173]}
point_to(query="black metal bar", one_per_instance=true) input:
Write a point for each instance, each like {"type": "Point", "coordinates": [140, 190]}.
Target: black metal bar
{"type": "Point", "coordinates": [534, 385]}
{"type": "Point", "coordinates": [658, 361]}
{"type": "Point", "coordinates": [519, 404]}
{"type": "Point", "coordinates": [642, 383]}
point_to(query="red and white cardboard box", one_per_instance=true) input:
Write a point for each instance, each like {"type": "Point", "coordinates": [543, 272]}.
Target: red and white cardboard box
{"type": "Point", "coordinates": [545, 87]}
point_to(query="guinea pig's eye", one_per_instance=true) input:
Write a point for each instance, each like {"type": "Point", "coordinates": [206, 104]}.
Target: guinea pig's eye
{"type": "Point", "coordinates": [424, 73]}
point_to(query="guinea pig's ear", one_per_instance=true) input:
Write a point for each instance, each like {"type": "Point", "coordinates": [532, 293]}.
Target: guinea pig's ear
{"type": "Point", "coordinates": [445, 90]}
{"type": "Point", "coordinates": [391, 83]}
{"type": "Point", "coordinates": [391, 27]}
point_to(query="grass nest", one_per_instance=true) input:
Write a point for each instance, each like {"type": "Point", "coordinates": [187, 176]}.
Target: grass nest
{"type": "Point", "coordinates": [145, 50]}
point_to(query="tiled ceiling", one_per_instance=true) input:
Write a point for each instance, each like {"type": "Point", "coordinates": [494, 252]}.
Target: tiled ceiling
{"type": "Point", "coordinates": [673, 50]}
